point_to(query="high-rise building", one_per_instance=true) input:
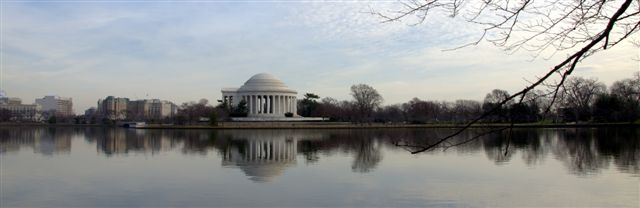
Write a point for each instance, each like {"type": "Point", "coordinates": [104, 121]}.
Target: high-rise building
{"type": "Point", "coordinates": [55, 105]}
{"type": "Point", "coordinates": [113, 108]}
{"type": "Point", "coordinates": [151, 109]}
{"type": "Point", "coordinates": [161, 109]}
{"type": "Point", "coordinates": [138, 109]}
{"type": "Point", "coordinates": [123, 108]}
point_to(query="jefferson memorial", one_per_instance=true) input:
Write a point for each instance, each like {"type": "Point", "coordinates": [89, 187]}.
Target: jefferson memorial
{"type": "Point", "coordinates": [267, 98]}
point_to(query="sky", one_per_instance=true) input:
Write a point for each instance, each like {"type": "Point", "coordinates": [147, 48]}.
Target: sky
{"type": "Point", "coordinates": [185, 51]}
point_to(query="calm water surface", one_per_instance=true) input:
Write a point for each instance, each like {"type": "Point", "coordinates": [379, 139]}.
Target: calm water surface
{"type": "Point", "coordinates": [109, 167]}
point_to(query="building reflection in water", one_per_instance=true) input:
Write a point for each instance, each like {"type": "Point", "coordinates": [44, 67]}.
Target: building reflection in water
{"type": "Point", "coordinates": [113, 141]}
{"type": "Point", "coordinates": [265, 154]}
{"type": "Point", "coordinates": [259, 158]}
{"type": "Point", "coordinates": [45, 141]}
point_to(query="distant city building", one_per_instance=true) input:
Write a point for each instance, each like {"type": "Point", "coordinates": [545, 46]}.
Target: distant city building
{"type": "Point", "coordinates": [151, 109]}
{"type": "Point", "coordinates": [161, 109]}
{"type": "Point", "coordinates": [138, 109]}
{"type": "Point", "coordinates": [123, 108]}
{"type": "Point", "coordinates": [113, 108]}
{"type": "Point", "coordinates": [11, 101]}
{"type": "Point", "coordinates": [19, 111]}
{"type": "Point", "coordinates": [55, 105]}
{"type": "Point", "coordinates": [265, 96]}
{"type": "Point", "coordinates": [90, 112]}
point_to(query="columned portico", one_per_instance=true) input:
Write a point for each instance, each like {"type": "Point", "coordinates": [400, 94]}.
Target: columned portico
{"type": "Point", "coordinates": [264, 95]}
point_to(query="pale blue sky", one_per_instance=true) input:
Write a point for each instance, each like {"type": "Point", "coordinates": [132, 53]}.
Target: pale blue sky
{"type": "Point", "coordinates": [184, 51]}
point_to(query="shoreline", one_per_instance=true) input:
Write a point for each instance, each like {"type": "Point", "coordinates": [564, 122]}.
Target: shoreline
{"type": "Point", "coordinates": [335, 125]}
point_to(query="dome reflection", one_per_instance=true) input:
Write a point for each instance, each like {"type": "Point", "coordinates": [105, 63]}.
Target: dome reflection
{"type": "Point", "coordinates": [262, 157]}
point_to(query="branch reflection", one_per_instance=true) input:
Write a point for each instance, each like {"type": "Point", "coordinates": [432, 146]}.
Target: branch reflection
{"type": "Point", "coordinates": [264, 154]}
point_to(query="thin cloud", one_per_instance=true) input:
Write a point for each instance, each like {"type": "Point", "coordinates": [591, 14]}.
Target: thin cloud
{"type": "Point", "coordinates": [187, 51]}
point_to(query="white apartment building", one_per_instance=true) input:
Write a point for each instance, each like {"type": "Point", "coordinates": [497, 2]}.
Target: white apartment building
{"type": "Point", "coordinates": [19, 111]}
{"type": "Point", "coordinates": [55, 105]}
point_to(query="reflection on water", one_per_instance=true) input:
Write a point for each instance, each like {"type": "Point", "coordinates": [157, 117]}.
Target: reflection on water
{"type": "Point", "coordinates": [46, 141]}
{"type": "Point", "coordinates": [261, 156]}
{"type": "Point", "coordinates": [264, 154]}
{"type": "Point", "coordinates": [115, 167]}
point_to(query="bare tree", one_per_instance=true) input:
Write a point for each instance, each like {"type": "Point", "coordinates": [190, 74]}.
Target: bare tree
{"type": "Point", "coordinates": [628, 92]}
{"type": "Point", "coordinates": [628, 89]}
{"type": "Point", "coordinates": [579, 94]}
{"type": "Point", "coordinates": [421, 111]}
{"type": "Point", "coordinates": [329, 107]}
{"type": "Point", "coordinates": [496, 96]}
{"type": "Point", "coordinates": [193, 111]}
{"type": "Point", "coordinates": [465, 110]}
{"type": "Point", "coordinates": [366, 99]}
{"type": "Point", "coordinates": [391, 113]}
{"type": "Point", "coordinates": [581, 28]}
{"type": "Point", "coordinates": [492, 102]}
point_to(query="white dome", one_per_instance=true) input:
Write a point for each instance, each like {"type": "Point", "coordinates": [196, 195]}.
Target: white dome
{"type": "Point", "coordinates": [264, 82]}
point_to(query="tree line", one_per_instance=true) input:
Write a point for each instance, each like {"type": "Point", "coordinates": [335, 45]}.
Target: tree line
{"type": "Point", "coordinates": [580, 100]}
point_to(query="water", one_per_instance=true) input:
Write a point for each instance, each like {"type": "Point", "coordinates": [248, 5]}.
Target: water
{"type": "Point", "coordinates": [111, 167]}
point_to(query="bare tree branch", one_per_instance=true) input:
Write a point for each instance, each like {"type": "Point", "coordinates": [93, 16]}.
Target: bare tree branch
{"type": "Point", "coordinates": [537, 26]}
